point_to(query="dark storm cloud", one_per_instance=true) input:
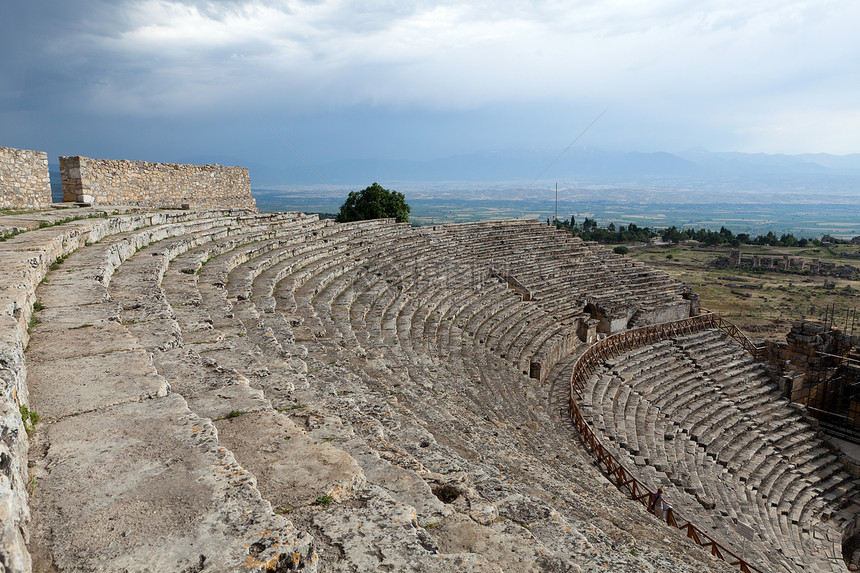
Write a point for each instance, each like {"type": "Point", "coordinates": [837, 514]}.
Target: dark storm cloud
{"type": "Point", "coordinates": [769, 76]}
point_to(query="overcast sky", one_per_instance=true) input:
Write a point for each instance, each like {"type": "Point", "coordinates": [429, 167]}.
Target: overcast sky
{"type": "Point", "coordinates": [168, 80]}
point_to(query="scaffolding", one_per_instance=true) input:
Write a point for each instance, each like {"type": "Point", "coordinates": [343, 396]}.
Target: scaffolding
{"type": "Point", "coordinates": [830, 386]}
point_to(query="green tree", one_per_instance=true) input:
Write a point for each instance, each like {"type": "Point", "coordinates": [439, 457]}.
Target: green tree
{"type": "Point", "coordinates": [374, 202]}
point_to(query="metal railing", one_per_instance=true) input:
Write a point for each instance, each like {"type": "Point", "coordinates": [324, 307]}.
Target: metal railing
{"type": "Point", "coordinates": [622, 342]}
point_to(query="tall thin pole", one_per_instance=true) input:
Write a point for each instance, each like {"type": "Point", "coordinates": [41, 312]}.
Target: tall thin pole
{"type": "Point", "coordinates": [556, 201]}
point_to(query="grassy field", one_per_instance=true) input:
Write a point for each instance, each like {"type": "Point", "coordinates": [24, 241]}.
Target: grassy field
{"type": "Point", "coordinates": [762, 304]}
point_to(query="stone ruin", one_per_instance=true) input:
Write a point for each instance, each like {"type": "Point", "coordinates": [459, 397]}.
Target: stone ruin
{"type": "Point", "coordinates": [821, 370]}
{"type": "Point", "coordinates": [25, 183]}
{"type": "Point", "coordinates": [786, 263]}
{"type": "Point", "coordinates": [231, 391]}
{"type": "Point", "coordinates": [24, 179]}
{"type": "Point", "coordinates": [153, 185]}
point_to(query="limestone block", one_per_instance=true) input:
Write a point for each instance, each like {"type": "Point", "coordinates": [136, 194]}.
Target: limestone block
{"type": "Point", "coordinates": [72, 385]}
{"type": "Point", "coordinates": [384, 535]}
{"type": "Point", "coordinates": [14, 512]}
{"type": "Point", "coordinates": [294, 468]}
{"type": "Point", "coordinates": [97, 339]}
{"type": "Point", "coordinates": [146, 486]}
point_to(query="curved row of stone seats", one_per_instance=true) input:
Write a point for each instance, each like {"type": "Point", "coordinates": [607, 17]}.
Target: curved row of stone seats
{"type": "Point", "coordinates": [669, 462]}
{"type": "Point", "coordinates": [323, 280]}
{"type": "Point", "coordinates": [215, 262]}
{"type": "Point", "coordinates": [390, 307]}
{"type": "Point", "coordinates": [319, 292]}
{"type": "Point", "coordinates": [302, 266]}
{"type": "Point", "coordinates": [207, 336]}
{"type": "Point", "coordinates": [677, 465]}
{"type": "Point", "coordinates": [210, 263]}
{"type": "Point", "coordinates": [323, 305]}
{"type": "Point", "coordinates": [326, 278]}
{"type": "Point", "coordinates": [76, 299]}
{"type": "Point", "coordinates": [529, 326]}
{"type": "Point", "coordinates": [270, 361]}
{"type": "Point", "coordinates": [246, 443]}
{"type": "Point", "coordinates": [30, 244]}
{"type": "Point", "coordinates": [601, 271]}
{"type": "Point", "coordinates": [395, 318]}
{"type": "Point", "coordinates": [695, 415]}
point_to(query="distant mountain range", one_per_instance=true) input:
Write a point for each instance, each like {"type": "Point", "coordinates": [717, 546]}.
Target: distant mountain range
{"type": "Point", "coordinates": [587, 165]}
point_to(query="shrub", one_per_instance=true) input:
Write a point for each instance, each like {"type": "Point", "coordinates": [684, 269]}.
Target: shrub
{"type": "Point", "coordinates": [374, 202]}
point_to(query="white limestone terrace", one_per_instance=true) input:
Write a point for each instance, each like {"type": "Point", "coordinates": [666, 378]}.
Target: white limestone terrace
{"type": "Point", "coordinates": [234, 391]}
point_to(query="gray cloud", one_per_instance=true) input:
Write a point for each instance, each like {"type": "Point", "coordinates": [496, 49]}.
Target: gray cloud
{"type": "Point", "coordinates": [770, 75]}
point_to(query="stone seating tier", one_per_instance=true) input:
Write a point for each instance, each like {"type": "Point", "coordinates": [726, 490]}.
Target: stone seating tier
{"type": "Point", "coordinates": [380, 366]}
{"type": "Point", "coordinates": [701, 419]}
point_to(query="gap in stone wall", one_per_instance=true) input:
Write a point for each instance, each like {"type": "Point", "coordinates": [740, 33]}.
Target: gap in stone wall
{"type": "Point", "coordinates": [56, 183]}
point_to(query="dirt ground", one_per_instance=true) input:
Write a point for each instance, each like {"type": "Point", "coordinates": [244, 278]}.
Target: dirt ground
{"type": "Point", "coordinates": [762, 303]}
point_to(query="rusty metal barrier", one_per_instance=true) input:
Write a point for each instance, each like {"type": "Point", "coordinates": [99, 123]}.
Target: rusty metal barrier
{"type": "Point", "coordinates": [614, 345]}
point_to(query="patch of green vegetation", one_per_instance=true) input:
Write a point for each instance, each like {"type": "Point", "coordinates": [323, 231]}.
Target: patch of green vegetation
{"type": "Point", "coordinates": [37, 306]}
{"type": "Point", "coordinates": [29, 417]}
{"type": "Point", "coordinates": [323, 500]}
{"type": "Point", "coordinates": [11, 234]}
{"type": "Point", "coordinates": [283, 510]}
{"type": "Point", "coordinates": [60, 260]}
{"type": "Point", "coordinates": [235, 413]}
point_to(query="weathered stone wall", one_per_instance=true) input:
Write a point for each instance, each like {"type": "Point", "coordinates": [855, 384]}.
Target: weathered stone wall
{"type": "Point", "coordinates": [24, 179]}
{"type": "Point", "coordinates": [153, 185]}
